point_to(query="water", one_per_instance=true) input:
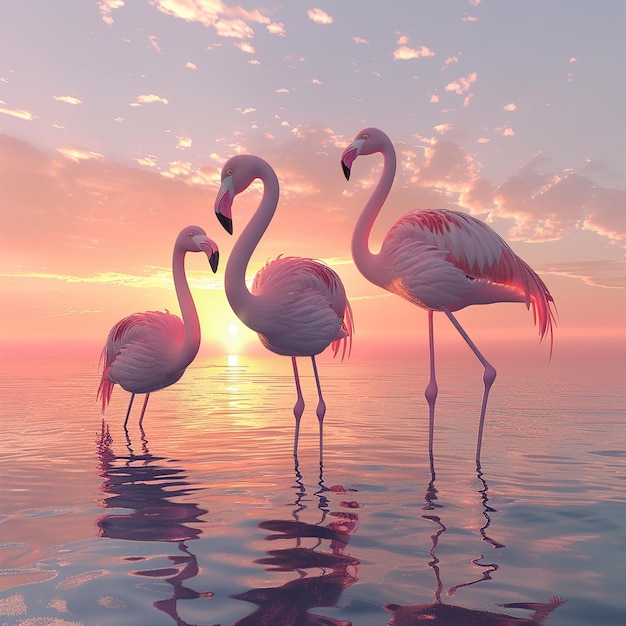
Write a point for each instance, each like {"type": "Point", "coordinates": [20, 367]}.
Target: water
{"type": "Point", "coordinates": [203, 518]}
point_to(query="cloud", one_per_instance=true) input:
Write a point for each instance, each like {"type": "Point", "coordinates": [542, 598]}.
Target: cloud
{"type": "Point", "coordinates": [19, 113]}
{"type": "Point", "coordinates": [107, 7]}
{"type": "Point", "coordinates": [404, 53]}
{"type": "Point", "coordinates": [148, 99]}
{"type": "Point", "coordinates": [360, 40]}
{"type": "Point", "coordinates": [510, 107]}
{"type": "Point", "coordinates": [183, 142]}
{"type": "Point", "coordinates": [154, 42]}
{"type": "Point", "coordinates": [228, 21]}
{"type": "Point", "coordinates": [76, 209]}
{"type": "Point", "coordinates": [68, 99]}
{"type": "Point", "coordinates": [147, 278]}
{"type": "Point", "coordinates": [78, 154]}
{"type": "Point", "coordinates": [245, 46]}
{"type": "Point", "coordinates": [461, 85]}
{"type": "Point", "coordinates": [276, 28]}
{"type": "Point", "coordinates": [319, 17]}
{"type": "Point", "coordinates": [610, 274]}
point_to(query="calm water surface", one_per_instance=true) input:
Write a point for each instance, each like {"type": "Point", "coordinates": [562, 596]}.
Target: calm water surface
{"type": "Point", "coordinates": [204, 518]}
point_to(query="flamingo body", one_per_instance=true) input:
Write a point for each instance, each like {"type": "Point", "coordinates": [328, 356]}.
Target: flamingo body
{"type": "Point", "coordinates": [442, 260]}
{"type": "Point", "coordinates": [148, 351]}
{"type": "Point", "coordinates": [300, 307]}
{"type": "Point", "coordinates": [297, 306]}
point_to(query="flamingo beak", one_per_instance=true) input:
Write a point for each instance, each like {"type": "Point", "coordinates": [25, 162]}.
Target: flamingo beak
{"type": "Point", "coordinates": [209, 247]}
{"type": "Point", "coordinates": [223, 204]}
{"type": "Point", "coordinates": [214, 260]}
{"type": "Point", "coordinates": [349, 156]}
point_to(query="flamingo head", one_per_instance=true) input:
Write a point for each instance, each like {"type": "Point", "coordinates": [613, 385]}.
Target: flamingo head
{"type": "Point", "coordinates": [194, 239]}
{"type": "Point", "coordinates": [238, 173]}
{"type": "Point", "coordinates": [368, 141]}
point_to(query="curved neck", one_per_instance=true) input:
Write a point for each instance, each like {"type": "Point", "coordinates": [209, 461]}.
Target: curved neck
{"type": "Point", "coordinates": [363, 258]}
{"type": "Point", "coordinates": [239, 297]}
{"type": "Point", "coordinates": [191, 323]}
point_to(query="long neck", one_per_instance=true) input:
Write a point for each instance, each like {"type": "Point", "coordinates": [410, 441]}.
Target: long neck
{"type": "Point", "coordinates": [239, 297]}
{"type": "Point", "coordinates": [363, 258]}
{"type": "Point", "coordinates": [191, 323]}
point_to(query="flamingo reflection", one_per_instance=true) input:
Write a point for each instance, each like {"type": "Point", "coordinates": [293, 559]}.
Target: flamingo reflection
{"type": "Point", "coordinates": [289, 604]}
{"type": "Point", "coordinates": [147, 486]}
{"type": "Point", "coordinates": [450, 615]}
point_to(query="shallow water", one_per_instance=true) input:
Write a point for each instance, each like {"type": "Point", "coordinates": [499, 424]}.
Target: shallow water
{"type": "Point", "coordinates": [203, 518]}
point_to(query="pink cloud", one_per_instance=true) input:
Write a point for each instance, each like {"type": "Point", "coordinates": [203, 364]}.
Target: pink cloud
{"type": "Point", "coordinates": [228, 21]}
{"type": "Point", "coordinates": [461, 85]}
{"type": "Point", "coordinates": [319, 17]}
{"type": "Point", "coordinates": [404, 53]}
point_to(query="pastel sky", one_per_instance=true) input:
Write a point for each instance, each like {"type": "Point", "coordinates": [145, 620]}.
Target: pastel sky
{"type": "Point", "coordinates": [115, 118]}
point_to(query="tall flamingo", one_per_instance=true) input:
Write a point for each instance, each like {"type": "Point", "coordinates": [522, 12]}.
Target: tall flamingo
{"type": "Point", "coordinates": [441, 260]}
{"type": "Point", "coordinates": [297, 306]}
{"type": "Point", "coordinates": [148, 351]}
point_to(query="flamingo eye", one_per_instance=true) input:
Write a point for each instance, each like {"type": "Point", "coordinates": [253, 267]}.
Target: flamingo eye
{"type": "Point", "coordinates": [229, 172]}
{"type": "Point", "coordinates": [190, 235]}
{"type": "Point", "coordinates": [365, 136]}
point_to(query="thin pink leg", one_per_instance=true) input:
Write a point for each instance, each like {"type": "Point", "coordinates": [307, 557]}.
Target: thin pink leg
{"type": "Point", "coordinates": [298, 408]}
{"type": "Point", "coordinates": [321, 406]}
{"type": "Point", "coordinates": [130, 404]}
{"type": "Point", "coordinates": [489, 376]}
{"type": "Point", "coordinates": [431, 389]}
{"type": "Point", "coordinates": [143, 410]}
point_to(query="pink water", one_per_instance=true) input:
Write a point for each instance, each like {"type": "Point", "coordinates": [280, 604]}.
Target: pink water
{"type": "Point", "coordinates": [204, 519]}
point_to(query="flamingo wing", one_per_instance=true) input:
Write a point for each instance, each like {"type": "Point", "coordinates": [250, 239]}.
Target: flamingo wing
{"type": "Point", "coordinates": [139, 352]}
{"type": "Point", "coordinates": [302, 307]}
{"type": "Point", "coordinates": [462, 261]}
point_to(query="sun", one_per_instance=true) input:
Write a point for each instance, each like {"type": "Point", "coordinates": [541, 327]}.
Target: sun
{"type": "Point", "coordinates": [232, 329]}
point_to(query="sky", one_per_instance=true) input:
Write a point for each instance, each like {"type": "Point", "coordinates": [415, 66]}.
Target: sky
{"type": "Point", "coordinates": [115, 119]}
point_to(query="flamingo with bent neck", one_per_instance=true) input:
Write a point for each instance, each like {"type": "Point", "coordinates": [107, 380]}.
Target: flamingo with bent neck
{"type": "Point", "coordinates": [148, 351]}
{"type": "Point", "coordinates": [297, 306]}
{"type": "Point", "coordinates": [441, 260]}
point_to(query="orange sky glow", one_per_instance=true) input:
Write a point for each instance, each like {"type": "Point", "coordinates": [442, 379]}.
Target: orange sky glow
{"type": "Point", "coordinates": [101, 164]}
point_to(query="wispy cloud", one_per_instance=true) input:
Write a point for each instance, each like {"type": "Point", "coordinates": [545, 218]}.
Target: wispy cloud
{"type": "Point", "coordinates": [78, 154]}
{"type": "Point", "coordinates": [68, 99]}
{"type": "Point", "coordinates": [154, 278]}
{"type": "Point", "coordinates": [19, 113]}
{"type": "Point", "coordinates": [106, 9]}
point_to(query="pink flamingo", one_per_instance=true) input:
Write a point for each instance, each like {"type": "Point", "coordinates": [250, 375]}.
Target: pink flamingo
{"type": "Point", "coordinates": [441, 260]}
{"type": "Point", "coordinates": [148, 351]}
{"type": "Point", "coordinates": [297, 306]}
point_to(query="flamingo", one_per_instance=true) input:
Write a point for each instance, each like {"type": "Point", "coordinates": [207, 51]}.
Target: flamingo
{"type": "Point", "coordinates": [442, 260]}
{"type": "Point", "coordinates": [148, 351]}
{"type": "Point", "coordinates": [297, 306]}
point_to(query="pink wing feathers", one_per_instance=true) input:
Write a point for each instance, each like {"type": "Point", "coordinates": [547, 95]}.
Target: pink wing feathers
{"type": "Point", "coordinates": [443, 241]}
{"type": "Point", "coordinates": [151, 334]}
{"type": "Point", "coordinates": [313, 301]}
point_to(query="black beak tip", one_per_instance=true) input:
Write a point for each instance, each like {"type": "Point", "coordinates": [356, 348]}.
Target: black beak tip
{"type": "Point", "coordinates": [214, 261]}
{"type": "Point", "coordinates": [346, 170]}
{"type": "Point", "coordinates": [226, 222]}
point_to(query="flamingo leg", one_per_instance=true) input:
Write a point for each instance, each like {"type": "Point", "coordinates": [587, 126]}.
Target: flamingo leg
{"type": "Point", "coordinates": [298, 408]}
{"type": "Point", "coordinates": [489, 376]}
{"type": "Point", "coordinates": [143, 409]}
{"type": "Point", "coordinates": [321, 406]}
{"type": "Point", "coordinates": [130, 404]}
{"type": "Point", "coordinates": [431, 389]}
